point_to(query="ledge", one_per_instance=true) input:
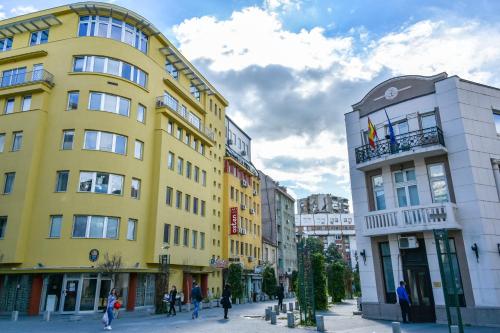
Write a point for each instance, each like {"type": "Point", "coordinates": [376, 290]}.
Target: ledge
{"type": "Point", "coordinates": [172, 83]}
{"type": "Point", "coordinates": [23, 56]}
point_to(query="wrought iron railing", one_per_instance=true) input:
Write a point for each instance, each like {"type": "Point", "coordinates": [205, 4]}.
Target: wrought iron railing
{"type": "Point", "coordinates": [404, 142]}
{"type": "Point", "coordinates": [21, 78]}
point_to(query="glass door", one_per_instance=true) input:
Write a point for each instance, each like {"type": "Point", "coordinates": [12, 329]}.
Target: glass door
{"type": "Point", "coordinates": [105, 288]}
{"type": "Point", "coordinates": [88, 297]}
{"type": "Point", "coordinates": [70, 295]}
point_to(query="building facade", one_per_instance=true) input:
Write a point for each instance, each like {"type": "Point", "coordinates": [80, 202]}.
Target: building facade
{"type": "Point", "coordinates": [241, 212]}
{"type": "Point", "coordinates": [111, 152]}
{"type": "Point", "coordinates": [323, 203]}
{"type": "Point", "coordinates": [438, 170]}
{"type": "Point", "coordinates": [278, 225]}
{"type": "Point", "coordinates": [335, 229]}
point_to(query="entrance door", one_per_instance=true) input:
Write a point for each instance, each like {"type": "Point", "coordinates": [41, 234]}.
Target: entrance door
{"type": "Point", "coordinates": [104, 291]}
{"type": "Point", "coordinates": [70, 295]}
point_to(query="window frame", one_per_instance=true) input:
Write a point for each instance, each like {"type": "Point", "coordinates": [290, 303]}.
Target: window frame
{"type": "Point", "coordinates": [6, 44]}
{"type": "Point", "coordinates": [444, 177]}
{"type": "Point", "coordinates": [9, 180]}
{"type": "Point", "coordinates": [10, 104]}
{"type": "Point", "coordinates": [134, 223]}
{"type": "Point", "coordinates": [137, 195]}
{"type": "Point", "coordinates": [23, 103]}
{"type": "Point", "coordinates": [3, 226]}
{"type": "Point", "coordinates": [98, 142]}
{"type": "Point", "coordinates": [169, 196]}
{"type": "Point", "coordinates": [69, 105]}
{"type": "Point", "coordinates": [39, 35]}
{"type": "Point", "coordinates": [59, 173]}
{"type": "Point", "coordinates": [94, 182]}
{"type": "Point", "coordinates": [102, 103]}
{"type": "Point", "coordinates": [406, 184]}
{"type": "Point", "coordinates": [57, 234]}
{"type": "Point", "coordinates": [66, 134]}
{"type": "Point", "coordinates": [141, 152]}
{"type": "Point", "coordinates": [88, 227]}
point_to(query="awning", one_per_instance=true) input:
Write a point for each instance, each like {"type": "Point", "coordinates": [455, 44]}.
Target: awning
{"type": "Point", "coordinates": [29, 25]}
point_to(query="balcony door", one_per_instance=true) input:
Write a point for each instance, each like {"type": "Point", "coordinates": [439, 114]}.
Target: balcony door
{"type": "Point", "coordinates": [405, 183]}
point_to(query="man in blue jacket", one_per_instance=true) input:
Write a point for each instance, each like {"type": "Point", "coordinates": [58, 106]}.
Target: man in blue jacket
{"type": "Point", "coordinates": [196, 299]}
{"type": "Point", "coordinates": [404, 301]}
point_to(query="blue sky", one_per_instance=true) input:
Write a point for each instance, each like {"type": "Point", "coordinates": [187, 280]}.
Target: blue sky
{"type": "Point", "coordinates": [291, 68]}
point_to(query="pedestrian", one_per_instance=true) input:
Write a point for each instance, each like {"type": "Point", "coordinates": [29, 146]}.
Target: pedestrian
{"type": "Point", "coordinates": [109, 308]}
{"type": "Point", "coordinates": [226, 300]}
{"type": "Point", "coordinates": [404, 302]}
{"type": "Point", "coordinates": [196, 299]}
{"type": "Point", "coordinates": [281, 295]}
{"type": "Point", "coordinates": [172, 297]}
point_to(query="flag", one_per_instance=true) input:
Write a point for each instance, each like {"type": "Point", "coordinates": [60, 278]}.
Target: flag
{"type": "Point", "coordinates": [372, 133]}
{"type": "Point", "coordinates": [392, 137]}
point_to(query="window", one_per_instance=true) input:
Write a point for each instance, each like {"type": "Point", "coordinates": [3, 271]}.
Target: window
{"type": "Point", "coordinates": [389, 286]}
{"type": "Point", "coordinates": [166, 233]}
{"type": "Point", "coordinates": [178, 199]}
{"type": "Point", "coordinates": [457, 277]}
{"type": "Point", "coordinates": [132, 229]}
{"type": "Point", "coordinates": [138, 148]}
{"type": "Point", "coordinates": [135, 188]}
{"type": "Point", "coordinates": [194, 239]}
{"type": "Point", "coordinates": [68, 137]}
{"type": "Point", "coordinates": [438, 183]}
{"type": "Point", "coordinates": [13, 76]}
{"type": "Point", "coordinates": [203, 178]}
{"type": "Point", "coordinates": [169, 196]}
{"type": "Point", "coordinates": [3, 226]}
{"type": "Point", "coordinates": [87, 226]}
{"type": "Point", "coordinates": [9, 106]}
{"type": "Point", "coordinates": [62, 181]}
{"type": "Point", "coordinates": [195, 205]}
{"type": "Point", "coordinates": [5, 44]}
{"type": "Point", "coordinates": [141, 113]}
{"type": "Point", "coordinates": [170, 127]}
{"type": "Point", "coordinates": [186, 237]}
{"type": "Point", "coordinates": [170, 68]}
{"type": "Point", "coordinates": [17, 141]}
{"type": "Point", "coordinates": [104, 26]}
{"type": "Point", "coordinates": [178, 134]}
{"type": "Point", "coordinates": [9, 182]}
{"type": "Point", "coordinates": [400, 128]}
{"type": "Point", "coordinates": [378, 192]}
{"type": "Point", "coordinates": [170, 101]}
{"type": "Point", "coordinates": [100, 182]}
{"type": "Point", "coordinates": [202, 240]}
{"type": "Point", "coordinates": [39, 37]}
{"type": "Point", "coordinates": [26, 104]}
{"type": "Point", "coordinates": [170, 160]}
{"type": "Point", "coordinates": [105, 141]}
{"type": "Point", "coordinates": [109, 103]}
{"type": "Point", "coordinates": [73, 97]}
{"type": "Point", "coordinates": [187, 203]}
{"type": "Point", "coordinates": [202, 149]}
{"type": "Point", "coordinates": [203, 208]}
{"type": "Point", "coordinates": [55, 226]}
{"type": "Point", "coordinates": [195, 92]}
{"type": "Point", "coordinates": [180, 165]}
{"type": "Point", "coordinates": [406, 188]}
{"type": "Point", "coordinates": [188, 169]}
{"type": "Point", "coordinates": [428, 120]}
{"type": "Point", "coordinates": [2, 142]}
{"type": "Point", "coordinates": [177, 234]}
{"type": "Point", "coordinates": [196, 174]}
{"type": "Point", "coordinates": [110, 66]}
{"type": "Point", "coordinates": [496, 118]}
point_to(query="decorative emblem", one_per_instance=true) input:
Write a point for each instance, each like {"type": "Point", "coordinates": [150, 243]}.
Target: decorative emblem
{"type": "Point", "coordinates": [391, 93]}
{"type": "Point", "coordinates": [94, 255]}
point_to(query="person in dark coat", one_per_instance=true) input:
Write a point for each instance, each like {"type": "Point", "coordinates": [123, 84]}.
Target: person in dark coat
{"type": "Point", "coordinates": [281, 295]}
{"type": "Point", "coordinates": [172, 296]}
{"type": "Point", "coordinates": [226, 300]}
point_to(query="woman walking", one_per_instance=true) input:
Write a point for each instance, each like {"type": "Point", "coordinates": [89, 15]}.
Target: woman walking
{"type": "Point", "coordinates": [109, 309]}
{"type": "Point", "coordinates": [172, 298]}
{"type": "Point", "coordinates": [226, 300]}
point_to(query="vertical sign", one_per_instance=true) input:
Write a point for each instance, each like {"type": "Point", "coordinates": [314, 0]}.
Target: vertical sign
{"type": "Point", "coordinates": [233, 222]}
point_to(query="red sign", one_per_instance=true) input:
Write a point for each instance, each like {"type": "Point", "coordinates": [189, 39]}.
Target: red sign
{"type": "Point", "coordinates": [233, 222]}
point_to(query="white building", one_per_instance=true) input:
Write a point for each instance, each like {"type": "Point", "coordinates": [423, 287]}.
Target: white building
{"type": "Point", "coordinates": [442, 172]}
{"type": "Point", "coordinates": [335, 229]}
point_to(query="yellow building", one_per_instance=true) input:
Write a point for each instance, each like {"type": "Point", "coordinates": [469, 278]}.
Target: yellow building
{"type": "Point", "coordinates": [242, 217]}
{"type": "Point", "coordinates": [111, 145]}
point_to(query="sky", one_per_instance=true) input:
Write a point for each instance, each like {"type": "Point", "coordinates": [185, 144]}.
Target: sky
{"type": "Point", "coordinates": [291, 69]}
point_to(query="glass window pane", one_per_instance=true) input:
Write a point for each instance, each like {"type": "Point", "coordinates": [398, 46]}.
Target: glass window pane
{"type": "Point", "coordinates": [379, 200]}
{"type": "Point", "coordinates": [44, 36]}
{"type": "Point", "coordinates": [95, 101]}
{"type": "Point", "coordinates": [126, 71]}
{"type": "Point", "coordinates": [410, 175]}
{"type": "Point", "coordinates": [121, 144]}
{"type": "Point", "coordinates": [96, 227]}
{"type": "Point", "coordinates": [439, 190]}
{"type": "Point", "coordinates": [124, 106]}
{"type": "Point", "coordinates": [116, 32]}
{"type": "Point", "coordinates": [398, 177]}
{"type": "Point", "coordinates": [412, 190]}
{"type": "Point", "coordinates": [99, 64]}
{"type": "Point", "coordinates": [116, 185]}
{"type": "Point", "coordinates": [131, 229]}
{"type": "Point", "coordinates": [110, 103]}
{"type": "Point", "coordinates": [101, 182]}
{"type": "Point", "coordinates": [436, 170]}
{"type": "Point", "coordinates": [497, 122]}
{"type": "Point", "coordinates": [82, 29]}
{"type": "Point", "coordinates": [112, 230]}
{"type": "Point", "coordinates": [401, 193]}
{"type": "Point", "coordinates": [113, 67]}
{"type": "Point", "coordinates": [62, 181]}
{"type": "Point", "coordinates": [428, 121]}
{"type": "Point", "coordinates": [378, 181]}
{"type": "Point", "coordinates": [106, 143]}
{"type": "Point", "coordinates": [79, 64]}
{"type": "Point", "coordinates": [55, 226]}
{"type": "Point", "coordinates": [86, 181]}
{"type": "Point", "coordinates": [138, 149]}
{"type": "Point", "coordinates": [90, 140]}
{"type": "Point", "coordinates": [103, 29]}
{"type": "Point", "coordinates": [80, 226]}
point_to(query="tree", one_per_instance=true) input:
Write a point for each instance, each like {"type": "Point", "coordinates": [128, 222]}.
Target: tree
{"type": "Point", "coordinates": [235, 277]}
{"type": "Point", "coordinates": [295, 282]}
{"type": "Point", "coordinates": [319, 278]}
{"type": "Point", "coordinates": [269, 282]}
{"type": "Point", "coordinates": [314, 245]}
{"type": "Point", "coordinates": [336, 284]}
{"type": "Point", "coordinates": [111, 265]}
{"type": "Point", "coordinates": [332, 253]}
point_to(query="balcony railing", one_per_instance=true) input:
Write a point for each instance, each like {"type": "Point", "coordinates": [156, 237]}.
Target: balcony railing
{"type": "Point", "coordinates": [23, 78]}
{"type": "Point", "coordinates": [164, 101]}
{"type": "Point", "coordinates": [411, 219]}
{"type": "Point", "coordinates": [404, 142]}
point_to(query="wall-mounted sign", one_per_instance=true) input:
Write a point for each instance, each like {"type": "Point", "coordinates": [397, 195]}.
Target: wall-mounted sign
{"type": "Point", "coordinates": [234, 221]}
{"type": "Point", "coordinates": [94, 255]}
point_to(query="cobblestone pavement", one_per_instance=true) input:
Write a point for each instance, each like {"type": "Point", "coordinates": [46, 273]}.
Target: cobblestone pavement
{"type": "Point", "coordinates": [246, 318]}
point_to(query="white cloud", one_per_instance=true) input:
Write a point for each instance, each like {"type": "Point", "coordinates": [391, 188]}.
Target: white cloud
{"type": "Point", "coordinates": [282, 5]}
{"type": "Point", "coordinates": [21, 10]}
{"type": "Point", "coordinates": [3, 16]}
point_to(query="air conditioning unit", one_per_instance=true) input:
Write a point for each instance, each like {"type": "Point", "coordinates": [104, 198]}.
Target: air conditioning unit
{"type": "Point", "coordinates": [243, 207]}
{"type": "Point", "coordinates": [244, 183]}
{"type": "Point", "coordinates": [408, 242]}
{"type": "Point", "coordinates": [254, 193]}
{"type": "Point", "coordinates": [252, 211]}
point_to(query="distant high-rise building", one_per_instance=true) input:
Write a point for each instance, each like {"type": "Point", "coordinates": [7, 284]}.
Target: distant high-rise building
{"type": "Point", "coordinates": [323, 203]}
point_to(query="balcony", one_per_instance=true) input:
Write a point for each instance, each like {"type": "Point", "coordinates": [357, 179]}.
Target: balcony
{"type": "Point", "coordinates": [26, 82]}
{"type": "Point", "coordinates": [426, 142]}
{"type": "Point", "coordinates": [163, 103]}
{"type": "Point", "coordinates": [411, 219]}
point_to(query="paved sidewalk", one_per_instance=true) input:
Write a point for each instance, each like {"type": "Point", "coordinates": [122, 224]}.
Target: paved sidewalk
{"type": "Point", "coordinates": [247, 318]}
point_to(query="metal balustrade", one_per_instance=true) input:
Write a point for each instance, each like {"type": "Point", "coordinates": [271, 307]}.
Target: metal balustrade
{"type": "Point", "coordinates": [23, 78]}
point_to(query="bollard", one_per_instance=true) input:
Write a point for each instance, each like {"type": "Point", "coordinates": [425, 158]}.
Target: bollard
{"type": "Point", "coordinates": [268, 314]}
{"type": "Point", "coordinates": [320, 323]}
{"type": "Point", "coordinates": [273, 318]}
{"type": "Point", "coordinates": [276, 309]}
{"type": "Point", "coordinates": [396, 327]}
{"type": "Point", "coordinates": [290, 306]}
{"type": "Point", "coordinates": [296, 305]}
{"type": "Point", "coordinates": [283, 308]}
{"type": "Point", "coordinates": [46, 316]}
{"type": "Point", "coordinates": [14, 316]}
{"type": "Point", "coordinates": [290, 319]}
{"type": "Point", "coordinates": [454, 329]}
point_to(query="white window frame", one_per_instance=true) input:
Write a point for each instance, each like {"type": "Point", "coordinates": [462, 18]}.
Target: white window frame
{"type": "Point", "coordinates": [39, 37]}
{"type": "Point", "coordinates": [133, 223]}
{"type": "Point", "coordinates": [406, 185]}
{"type": "Point", "coordinates": [55, 233]}
{"type": "Point", "coordinates": [7, 44]}
{"type": "Point", "coordinates": [171, 161]}
{"type": "Point", "coordinates": [17, 137]}
{"type": "Point", "coordinates": [143, 118]}
{"type": "Point", "coordinates": [72, 93]}
{"type": "Point", "coordinates": [98, 142]}
{"type": "Point", "coordinates": [58, 174]}
{"type": "Point", "coordinates": [138, 182]}
{"type": "Point", "coordinates": [68, 133]}
{"type": "Point", "coordinates": [10, 104]}
{"type": "Point", "coordinates": [103, 101]}
{"type": "Point", "coordinates": [26, 103]}
{"type": "Point", "coordinates": [139, 144]}
{"type": "Point", "coordinates": [444, 177]}
{"type": "Point", "coordinates": [104, 229]}
{"type": "Point", "coordinates": [94, 180]}
{"type": "Point", "coordinates": [2, 142]}
{"type": "Point", "coordinates": [374, 195]}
